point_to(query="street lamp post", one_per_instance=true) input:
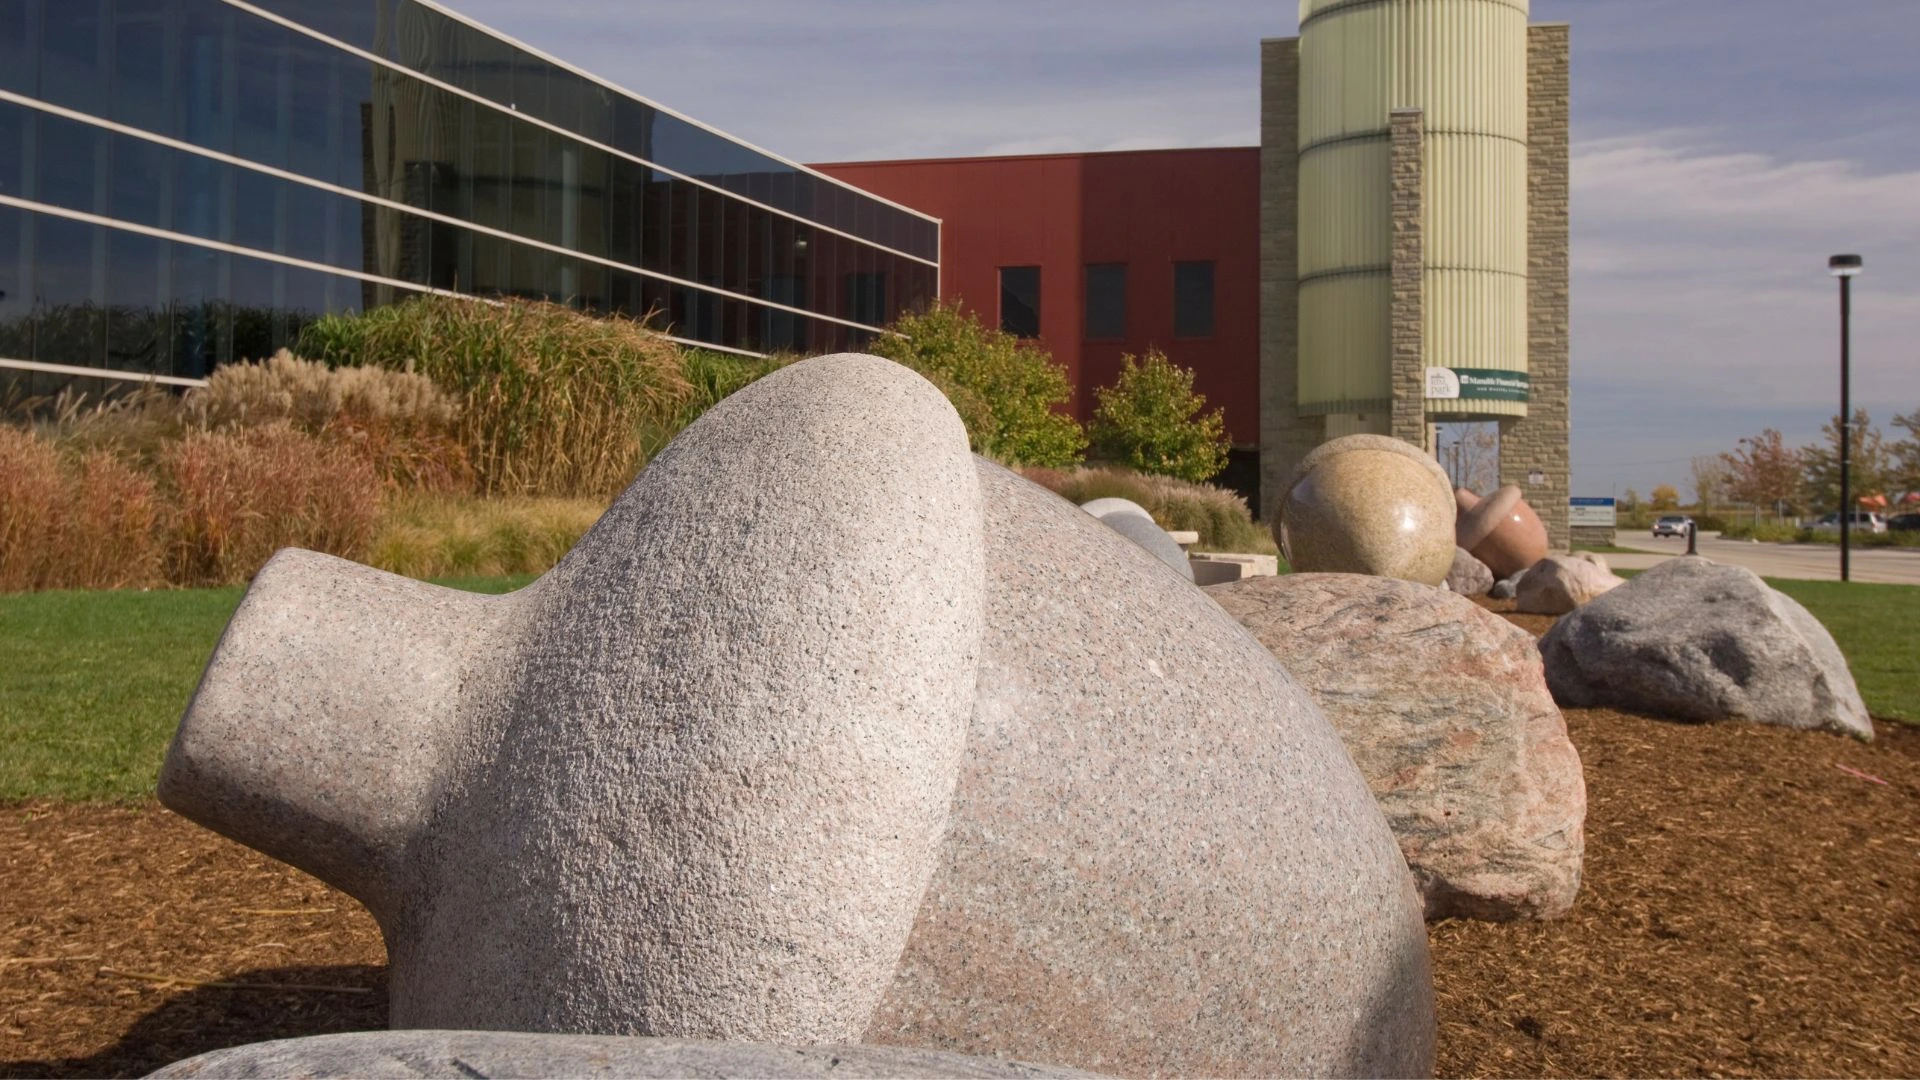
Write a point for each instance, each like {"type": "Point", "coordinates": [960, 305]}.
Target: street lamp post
{"type": "Point", "coordinates": [1845, 267]}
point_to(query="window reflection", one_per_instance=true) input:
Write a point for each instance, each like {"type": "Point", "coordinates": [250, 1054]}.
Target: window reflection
{"type": "Point", "coordinates": [223, 80]}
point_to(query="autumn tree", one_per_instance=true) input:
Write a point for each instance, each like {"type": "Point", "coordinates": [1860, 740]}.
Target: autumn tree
{"type": "Point", "coordinates": [1665, 497]}
{"type": "Point", "coordinates": [1709, 482]}
{"type": "Point", "coordinates": [1763, 471]}
{"type": "Point", "coordinates": [1903, 472]}
{"type": "Point", "coordinates": [1867, 462]}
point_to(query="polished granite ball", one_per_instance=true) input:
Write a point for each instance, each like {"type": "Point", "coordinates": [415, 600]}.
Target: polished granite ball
{"type": "Point", "coordinates": [1368, 504]}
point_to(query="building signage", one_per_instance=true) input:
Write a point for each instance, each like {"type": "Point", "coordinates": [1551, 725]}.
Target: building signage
{"type": "Point", "coordinates": [1492, 384]}
{"type": "Point", "coordinates": [1442, 384]}
{"type": "Point", "coordinates": [1598, 512]}
{"type": "Point", "coordinates": [1476, 384]}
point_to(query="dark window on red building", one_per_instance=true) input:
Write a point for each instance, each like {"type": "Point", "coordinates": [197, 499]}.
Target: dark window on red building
{"type": "Point", "coordinates": [1106, 301]}
{"type": "Point", "coordinates": [1193, 299]}
{"type": "Point", "coordinates": [1020, 300]}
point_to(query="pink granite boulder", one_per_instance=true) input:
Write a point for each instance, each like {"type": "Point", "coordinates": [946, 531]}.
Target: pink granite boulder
{"type": "Point", "coordinates": [1445, 708]}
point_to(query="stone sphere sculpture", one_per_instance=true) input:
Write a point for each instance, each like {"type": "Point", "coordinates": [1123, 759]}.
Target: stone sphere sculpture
{"type": "Point", "coordinates": [1368, 504]}
{"type": "Point", "coordinates": [1500, 530]}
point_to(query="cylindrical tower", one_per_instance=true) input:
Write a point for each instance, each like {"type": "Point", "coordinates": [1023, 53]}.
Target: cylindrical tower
{"type": "Point", "coordinates": [1463, 63]}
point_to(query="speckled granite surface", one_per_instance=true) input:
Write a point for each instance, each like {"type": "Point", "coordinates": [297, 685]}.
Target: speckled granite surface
{"type": "Point", "coordinates": [1368, 504]}
{"type": "Point", "coordinates": [691, 782]}
{"type": "Point", "coordinates": [1162, 860]}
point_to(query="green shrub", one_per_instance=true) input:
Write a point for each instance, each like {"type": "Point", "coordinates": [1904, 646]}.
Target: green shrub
{"type": "Point", "coordinates": [552, 401]}
{"type": "Point", "coordinates": [1218, 515]}
{"type": "Point", "coordinates": [1006, 392]}
{"type": "Point", "coordinates": [1151, 420]}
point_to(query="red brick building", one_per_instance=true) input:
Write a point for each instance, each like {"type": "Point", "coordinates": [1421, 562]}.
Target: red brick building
{"type": "Point", "coordinates": [1096, 255]}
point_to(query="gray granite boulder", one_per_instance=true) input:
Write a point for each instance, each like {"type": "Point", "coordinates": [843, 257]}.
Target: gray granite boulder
{"type": "Point", "coordinates": [1132, 521]}
{"type": "Point", "coordinates": [1558, 584]}
{"type": "Point", "coordinates": [1505, 588]}
{"type": "Point", "coordinates": [691, 782]}
{"type": "Point", "coordinates": [1469, 576]}
{"type": "Point", "coordinates": [1445, 709]}
{"type": "Point", "coordinates": [1691, 639]}
{"type": "Point", "coordinates": [458, 1055]}
{"type": "Point", "coordinates": [1161, 859]}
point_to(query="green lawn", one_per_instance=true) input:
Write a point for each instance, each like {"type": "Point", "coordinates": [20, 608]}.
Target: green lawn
{"type": "Point", "coordinates": [92, 683]}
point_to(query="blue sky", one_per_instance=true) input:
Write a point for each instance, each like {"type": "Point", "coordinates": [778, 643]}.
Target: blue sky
{"type": "Point", "coordinates": [1722, 149]}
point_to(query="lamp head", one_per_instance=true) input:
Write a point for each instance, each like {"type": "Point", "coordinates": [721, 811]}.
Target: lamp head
{"type": "Point", "coordinates": [1844, 265]}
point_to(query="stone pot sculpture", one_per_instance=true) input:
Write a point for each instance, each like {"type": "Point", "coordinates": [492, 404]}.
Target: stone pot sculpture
{"type": "Point", "coordinates": [827, 732]}
{"type": "Point", "coordinates": [1368, 504]}
{"type": "Point", "coordinates": [1500, 530]}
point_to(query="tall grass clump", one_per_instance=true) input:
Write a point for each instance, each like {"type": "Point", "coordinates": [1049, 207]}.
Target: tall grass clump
{"type": "Point", "coordinates": [552, 401]}
{"type": "Point", "coordinates": [1007, 392]}
{"type": "Point", "coordinates": [1218, 515]}
{"type": "Point", "coordinates": [404, 425]}
{"type": "Point", "coordinates": [453, 536]}
{"type": "Point", "coordinates": [241, 495]}
{"type": "Point", "coordinates": [92, 521]}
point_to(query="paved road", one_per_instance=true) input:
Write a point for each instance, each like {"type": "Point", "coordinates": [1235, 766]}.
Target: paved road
{"type": "Point", "coordinates": [1812, 562]}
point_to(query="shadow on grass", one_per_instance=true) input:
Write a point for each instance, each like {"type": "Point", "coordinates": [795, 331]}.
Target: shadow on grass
{"type": "Point", "coordinates": [198, 1019]}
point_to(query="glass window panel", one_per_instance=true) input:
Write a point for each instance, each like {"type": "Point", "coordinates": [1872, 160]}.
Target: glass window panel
{"type": "Point", "coordinates": [1106, 301]}
{"type": "Point", "coordinates": [19, 56]}
{"type": "Point", "coordinates": [16, 127]}
{"type": "Point", "coordinates": [72, 164]}
{"type": "Point", "coordinates": [306, 216]}
{"type": "Point", "coordinates": [256, 210]}
{"type": "Point", "coordinates": [72, 326]}
{"type": "Point", "coordinates": [73, 54]}
{"type": "Point", "coordinates": [1192, 299]}
{"type": "Point", "coordinates": [198, 186]}
{"type": "Point", "coordinates": [259, 132]}
{"type": "Point", "coordinates": [352, 23]}
{"type": "Point", "coordinates": [137, 330]}
{"type": "Point", "coordinates": [202, 114]}
{"type": "Point", "coordinates": [16, 286]}
{"type": "Point", "coordinates": [142, 76]}
{"type": "Point", "coordinates": [712, 236]}
{"type": "Point", "coordinates": [138, 180]}
{"type": "Point", "coordinates": [1020, 300]}
{"type": "Point", "coordinates": [313, 148]}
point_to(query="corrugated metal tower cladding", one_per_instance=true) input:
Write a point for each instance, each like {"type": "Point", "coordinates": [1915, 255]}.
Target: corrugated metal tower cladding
{"type": "Point", "coordinates": [1413, 216]}
{"type": "Point", "coordinates": [1463, 65]}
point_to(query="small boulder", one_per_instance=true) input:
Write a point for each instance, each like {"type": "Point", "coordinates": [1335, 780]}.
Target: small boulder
{"type": "Point", "coordinates": [1469, 576]}
{"type": "Point", "coordinates": [1595, 558]}
{"type": "Point", "coordinates": [1504, 588]}
{"type": "Point", "coordinates": [1559, 583]}
{"type": "Point", "coordinates": [1691, 639]}
{"type": "Point", "coordinates": [1132, 521]}
{"type": "Point", "coordinates": [1444, 707]}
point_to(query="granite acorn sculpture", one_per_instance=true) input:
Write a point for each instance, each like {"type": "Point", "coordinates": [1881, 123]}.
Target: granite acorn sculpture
{"type": "Point", "coordinates": [827, 732]}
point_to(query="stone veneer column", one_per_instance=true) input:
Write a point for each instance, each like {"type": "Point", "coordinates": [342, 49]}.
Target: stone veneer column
{"type": "Point", "coordinates": [1285, 435]}
{"type": "Point", "coordinates": [1541, 440]}
{"type": "Point", "coordinates": [1406, 136]}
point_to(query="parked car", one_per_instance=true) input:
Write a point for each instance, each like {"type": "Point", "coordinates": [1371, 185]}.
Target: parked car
{"type": "Point", "coordinates": [1904, 523]}
{"type": "Point", "coordinates": [1861, 521]}
{"type": "Point", "coordinates": [1672, 525]}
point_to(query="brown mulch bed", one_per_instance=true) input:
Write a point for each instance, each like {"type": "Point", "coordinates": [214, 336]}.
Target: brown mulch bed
{"type": "Point", "coordinates": [1749, 909]}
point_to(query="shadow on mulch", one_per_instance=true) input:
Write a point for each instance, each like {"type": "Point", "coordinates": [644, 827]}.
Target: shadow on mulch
{"type": "Point", "coordinates": [1751, 907]}
{"type": "Point", "coordinates": [205, 1018]}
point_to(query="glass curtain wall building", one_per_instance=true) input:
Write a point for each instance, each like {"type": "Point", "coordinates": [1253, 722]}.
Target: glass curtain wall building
{"type": "Point", "coordinates": [188, 182]}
